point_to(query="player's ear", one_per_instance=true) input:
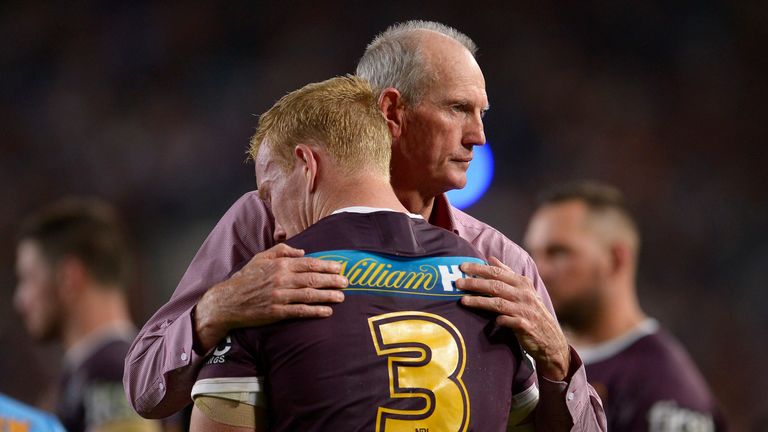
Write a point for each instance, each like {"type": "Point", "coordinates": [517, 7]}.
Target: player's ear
{"type": "Point", "coordinates": [620, 257]}
{"type": "Point", "coordinates": [392, 106]}
{"type": "Point", "coordinates": [308, 158]}
{"type": "Point", "coordinates": [71, 276]}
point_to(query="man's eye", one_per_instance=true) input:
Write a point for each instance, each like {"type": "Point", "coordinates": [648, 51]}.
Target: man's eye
{"type": "Point", "coordinates": [558, 252]}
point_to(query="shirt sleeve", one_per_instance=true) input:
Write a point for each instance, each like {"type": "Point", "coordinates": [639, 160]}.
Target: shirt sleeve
{"type": "Point", "coordinates": [565, 405]}
{"type": "Point", "coordinates": [571, 404]}
{"type": "Point", "coordinates": [161, 365]}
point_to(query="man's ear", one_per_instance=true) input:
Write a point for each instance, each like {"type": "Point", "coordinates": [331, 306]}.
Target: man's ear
{"type": "Point", "coordinates": [392, 106]}
{"type": "Point", "coordinates": [71, 278]}
{"type": "Point", "coordinates": [308, 157]}
{"type": "Point", "coordinates": [621, 256]}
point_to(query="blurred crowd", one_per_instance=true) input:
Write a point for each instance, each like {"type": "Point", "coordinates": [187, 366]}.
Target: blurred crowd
{"type": "Point", "coordinates": [150, 106]}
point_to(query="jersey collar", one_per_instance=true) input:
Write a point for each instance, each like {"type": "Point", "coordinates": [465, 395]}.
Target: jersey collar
{"type": "Point", "coordinates": [602, 351]}
{"type": "Point", "coordinates": [364, 209]}
{"type": "Point", "coordinates": [85, 347]}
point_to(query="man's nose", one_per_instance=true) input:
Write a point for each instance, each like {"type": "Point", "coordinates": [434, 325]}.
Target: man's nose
{"type": "Point", "coordinates": [474, 132]}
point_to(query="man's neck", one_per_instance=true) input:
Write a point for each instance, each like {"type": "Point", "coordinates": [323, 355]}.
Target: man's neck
{"type": "Point", "coordinates": [97, 310]}
{"type": "Point", "coordinates": [416, 202]}
{"type": "Point", "coordinates": [367, 192]}
{"type": "Point", "coordinates": [617, 318]}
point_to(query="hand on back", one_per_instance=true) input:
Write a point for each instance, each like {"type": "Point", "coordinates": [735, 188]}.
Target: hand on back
{"type": "Point", "coordinates": [277, 284]}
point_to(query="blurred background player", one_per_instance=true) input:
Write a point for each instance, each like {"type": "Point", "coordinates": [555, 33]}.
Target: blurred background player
{"type": "Point", "coordinates": [18, 417]}
{"type": "Point", "coordinates": [72, 268]}
{"type": "Point", "coordinates": [585, 243]}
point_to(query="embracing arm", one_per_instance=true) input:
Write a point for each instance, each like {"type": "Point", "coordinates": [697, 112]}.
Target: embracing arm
{"type": "Point", "coordinates": [566, 400]}
{"type": "Point", "coordinates": [161, 365]}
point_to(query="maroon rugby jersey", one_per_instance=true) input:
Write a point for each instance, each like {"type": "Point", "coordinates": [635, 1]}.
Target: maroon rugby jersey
{"type": "Point", "coordinates": [91, 391]}
{"type": "Point", "coordinates": [647, 382]}
{"type": "Point", "coordinates": [400, 353]}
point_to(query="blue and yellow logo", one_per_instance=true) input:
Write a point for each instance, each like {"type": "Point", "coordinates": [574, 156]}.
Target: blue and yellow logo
{"type": "Point", "coordinates": [390, 275]}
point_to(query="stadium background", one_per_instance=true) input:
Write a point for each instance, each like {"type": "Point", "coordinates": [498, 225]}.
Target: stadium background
{"type": "Point", "coordinates": [151, 105]}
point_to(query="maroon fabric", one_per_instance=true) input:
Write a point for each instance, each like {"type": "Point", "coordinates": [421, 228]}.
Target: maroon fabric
{"type": "Point", "coordinates": [326, 374]}
{"type": "Point", "coordinates": [653, 380]}
{"type": "Point", "coordinates": [90, 392]}
{"type": "Point", "coordinates": [161, 365]}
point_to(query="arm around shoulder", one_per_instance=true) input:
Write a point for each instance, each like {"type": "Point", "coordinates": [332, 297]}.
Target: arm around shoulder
{"type": "Point", "coordinates": [159, 367]}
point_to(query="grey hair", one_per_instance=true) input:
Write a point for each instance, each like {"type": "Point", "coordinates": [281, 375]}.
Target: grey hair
{"type": "Point", "coordinates": [394, 58]}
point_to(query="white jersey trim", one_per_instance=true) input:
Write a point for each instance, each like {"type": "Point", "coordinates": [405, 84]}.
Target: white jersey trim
{"type": "Point", "coordinates": [241, 389]}
{"type": "Point", "coordinates": [605, 350]}
{"type": "Point", "coordinates": [364, 209]}
{"type": "Point", "coordinates": [118, 331]}
{"type": "Point", "coordinates": [525, 401]}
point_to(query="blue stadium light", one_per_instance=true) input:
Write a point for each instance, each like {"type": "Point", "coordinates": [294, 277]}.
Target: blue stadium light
{"type": "Point", "coordinates": [479, 176]}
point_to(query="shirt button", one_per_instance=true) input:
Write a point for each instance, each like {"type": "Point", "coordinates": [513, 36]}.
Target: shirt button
{"type": "Point", "coordinates": [184, 356]}
{"type": "Point", "coordinates": [570, 396]}
{"type": "Point", "coordinates": [162, 386]}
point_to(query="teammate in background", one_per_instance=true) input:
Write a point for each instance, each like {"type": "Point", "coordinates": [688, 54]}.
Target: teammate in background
{"type": "Point", "coordinates": [71, 267]}
{"type": "Point", "coordinates": [322, 158]}
{"type": "Point", "coordinates": [431, 93]}
{"type": "Point", "coordinates": [18, 417]}
{"type": "Point", "coordinates": [585, 243]}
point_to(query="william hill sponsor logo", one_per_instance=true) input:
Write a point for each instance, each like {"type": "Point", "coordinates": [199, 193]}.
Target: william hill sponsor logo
{"type": "Point", "coordinates": [366, 271]}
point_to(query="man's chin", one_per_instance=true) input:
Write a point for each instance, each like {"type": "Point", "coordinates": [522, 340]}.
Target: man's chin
{"type": "Point", "coordinates": [457, 181]}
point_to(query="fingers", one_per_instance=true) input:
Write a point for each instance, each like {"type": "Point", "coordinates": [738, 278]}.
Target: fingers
{"type": "Point", "coordinates": [496, 262]}
{"type": "Point", "coordinates": [302, 311]}
{"type": "Point", "coordinates": [296, 281]}
{"type": "Point", "coordinates": [317, 280]}
{"type": "Point", "coordinates": [308, 296]}
{"type": "Point", "coordinates": [296, 273]}
{"type": "Point", "coordinates": [314, 265]}
{"type": "Point", "coordinates": [513, 322]}
{"type": "Point", "coordinates": [492, 304]}
{"type": "Point", "coordinates": [286, 268]}
{"type": "Point", "coordinates": [487, 271]}
{"type": "Point", "coordinates": [488, 287]}
{"type": "Point", "coordinates": [281, 250]}
{"type": "Point", "coordinates": [497, 271]}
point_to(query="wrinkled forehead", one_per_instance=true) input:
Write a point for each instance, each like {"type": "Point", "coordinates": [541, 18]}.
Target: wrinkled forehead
{"type": "Point", "coordinates": [456, 74]}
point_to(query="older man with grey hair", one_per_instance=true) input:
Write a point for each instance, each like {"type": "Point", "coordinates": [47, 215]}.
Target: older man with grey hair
{"type": "Point", "coordinates": [431, 92]}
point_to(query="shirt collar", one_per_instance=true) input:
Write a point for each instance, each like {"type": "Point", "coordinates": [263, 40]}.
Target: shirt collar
{"type": "Point", "coordinates": [443, 214]}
